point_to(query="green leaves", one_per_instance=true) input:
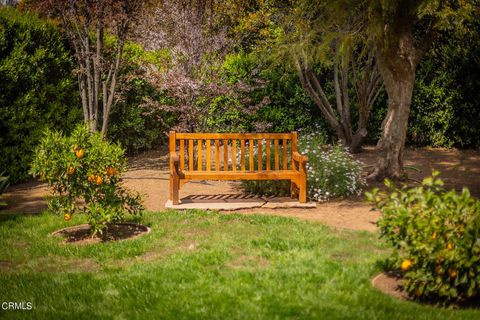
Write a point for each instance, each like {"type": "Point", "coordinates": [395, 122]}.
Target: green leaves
{"type": "Point", "coordinates": [439, 231]}
{"type": "Point", "coordinates": [37, 88]}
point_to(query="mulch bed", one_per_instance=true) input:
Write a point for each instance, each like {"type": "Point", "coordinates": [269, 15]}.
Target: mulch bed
{"type": "Point", "coordinates": [82, 234]}
{"type": "Point", "coordinates": [390, 283]}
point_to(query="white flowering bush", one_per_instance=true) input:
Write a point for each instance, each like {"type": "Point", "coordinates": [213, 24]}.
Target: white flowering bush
{"type": "Point", "coordinates": [332, 172]}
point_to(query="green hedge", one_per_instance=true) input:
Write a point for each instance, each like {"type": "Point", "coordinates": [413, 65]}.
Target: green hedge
{"type": "Point", "coordinates": [37, 89]}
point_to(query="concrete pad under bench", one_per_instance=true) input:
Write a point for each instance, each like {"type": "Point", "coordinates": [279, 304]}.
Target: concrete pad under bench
{"type": "Point", "coordinates": [236, 202]}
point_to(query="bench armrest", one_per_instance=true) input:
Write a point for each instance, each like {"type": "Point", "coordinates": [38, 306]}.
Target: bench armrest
{"type": "Point", "coordinates": [298, 157]}
{"type": "Point", "coordinates": [301, 160]}
{"type": "Point", "coordinates": [174, 158]}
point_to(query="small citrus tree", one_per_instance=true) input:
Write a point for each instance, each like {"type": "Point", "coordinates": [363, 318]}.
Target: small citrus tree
{"type": "Point", "coordinates": [436, 235]}
{"type": "Point", "coordinates": [84, 173]}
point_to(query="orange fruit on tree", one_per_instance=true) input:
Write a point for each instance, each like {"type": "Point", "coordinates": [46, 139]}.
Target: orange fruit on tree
{"type": "Point", "coordinates": [98, 180]}
{"type": "Point", "coordinates": [67, 216]}
{"type": "Point", "coordinates": [453, 273]}
{"type": "Point", "coordinates": [449, 246]}
{"type": "Point", "coordinates": [406, 264]}
{"type": "Point", "coordinates": [80, 153]}
{"type": "Point", "coordinates": [434, 236]}
{"type": "Point", "coordinates": [111, 171]}
{"type": "Point", "coordinates": [91, 178]}
{"type": "Point", "coordinates": [70, 170]}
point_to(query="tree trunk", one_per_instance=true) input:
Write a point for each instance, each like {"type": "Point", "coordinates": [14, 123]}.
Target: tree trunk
{"type": "Point", "coordinates": [398, 72]}
{"type": "Point", "coordinates": [357, 140]}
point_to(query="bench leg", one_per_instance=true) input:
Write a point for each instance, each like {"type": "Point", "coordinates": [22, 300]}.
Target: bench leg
{"type": "Point", "coordinates": [174, 189]}
{"type": "Point", "coordinates": [293, 190]}
{"type": "Point", "coordinates": [302, 192]}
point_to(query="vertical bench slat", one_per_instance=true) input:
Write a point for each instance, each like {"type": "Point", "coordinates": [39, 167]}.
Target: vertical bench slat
{"type": "Point", "coordinates": [225, 155]}
{"type": "Point", "coordinates": [250, 158]}
{"type": "Point", "coordinates": [259, 154]}
{"type": "Point", "coordinates": [190, 155]}
{"type": "Point", "coordinates": [182, 154]}
{"type": "Point", "coordinates": [267, 150]}
{"type": "Point", "coordinates": [294, 147]}
{"type": "Point", "coordinates": [285, 154]}
{"type": "Point", "coordinates": [277, 165]}
{"type": "Point", "coordinates": [217, 155]}
{"type": "Point", "coordinates": [234, 155]}
{"type": "Point", "coordinates": [209, 163]}
{"type": "Point", "coordinates": [242, 150]}
{"type": "Point", "coordinates": [199, 156]}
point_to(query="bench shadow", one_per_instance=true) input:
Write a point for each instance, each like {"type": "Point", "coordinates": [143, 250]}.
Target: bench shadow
{"type": "Point", "coordinates": [221, 198]}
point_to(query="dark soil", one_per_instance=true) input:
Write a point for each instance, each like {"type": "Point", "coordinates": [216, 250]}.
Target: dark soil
{"type": "Point", "coordinates": [390, 283]}
{"type": "Point", "coordinates": [82, 234]}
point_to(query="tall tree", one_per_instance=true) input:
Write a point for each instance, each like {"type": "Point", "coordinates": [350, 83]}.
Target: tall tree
{"type": "Point", "coordinates": [184, 29]}
{"type": "Point", "coordinates": [197, 43]}
{"type": "Point", "coordinates": [97, 30]}
{"type": "Point", "coordinates": [332, 50]}
{"type": "Point", "coordinates": [402, 32]}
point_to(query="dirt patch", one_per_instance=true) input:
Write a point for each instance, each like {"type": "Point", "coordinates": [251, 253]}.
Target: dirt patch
{"type": "Point", "coordinates": [248, 262]}
{"type": "Point", "coordinates": [81, 234]}
{"type": "Point", "coordinates": [390, 283]}
{"type": "Point", "coordinates": [59, 264]}
{"type": "Point", "coordinates": [50, 264]}
{"type": "Point", "coordinates": [6, 265]}
{"type": "Point", "coordinates": [342, 214]}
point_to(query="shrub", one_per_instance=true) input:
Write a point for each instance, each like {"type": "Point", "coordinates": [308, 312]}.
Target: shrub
{"type": "Point", "coordinates": [84, 167]}
{"type": "Point", "coordinates": [228, 114]}
{"type": "Point", "coordinates": [37, 91]}
{"type": "Point", "coordinates": [137, 125]}
{"type": "Point", "coordinates": [283, 104]}
{"type": "Point", "coordinates": [331, 171]}
{"type": "Point", "coordinates": [3, 187]}
{"type": "Point", "coordinates": [436, 237]}
{"type": "Point", "coordinates": [139, 120]}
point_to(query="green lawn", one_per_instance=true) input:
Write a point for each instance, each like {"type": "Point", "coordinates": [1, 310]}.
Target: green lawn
{"type": "Point", "coordinates": [198, 265]}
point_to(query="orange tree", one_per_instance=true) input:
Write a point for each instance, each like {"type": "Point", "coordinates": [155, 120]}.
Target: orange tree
{"type": "Point", "coordinates": [437, 238]}
{"type": "Point", "coordinates": [84, 172]}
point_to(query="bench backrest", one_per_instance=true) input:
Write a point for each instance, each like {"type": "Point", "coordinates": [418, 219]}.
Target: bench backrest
{"type": "Point", "coordinates": [219, 151]}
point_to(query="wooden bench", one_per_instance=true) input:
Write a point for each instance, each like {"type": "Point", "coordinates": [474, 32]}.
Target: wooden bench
{"type": "Point", "coordinates": [198, 156]}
